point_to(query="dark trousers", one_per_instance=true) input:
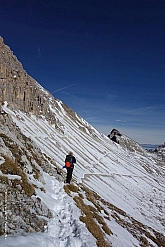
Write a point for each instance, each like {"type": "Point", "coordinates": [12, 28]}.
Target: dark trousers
{"type": "Point", "coordinates": [69, 175]}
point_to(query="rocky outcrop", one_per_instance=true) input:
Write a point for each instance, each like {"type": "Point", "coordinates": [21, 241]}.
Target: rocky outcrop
{"type": "Point", "coordinates": [115, 135]}
{"type": "Point", "coordinates": [160, 153]}
{"type": "Point", "coordinates": [126, 142]}
{"type": "Point", "coordinates": [19, 89]}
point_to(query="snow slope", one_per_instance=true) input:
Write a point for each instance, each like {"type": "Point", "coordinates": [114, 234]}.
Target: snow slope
{"type": "Point", "coordinates": [64, 229]}
{"type": "Point", "coordinates": [130, 180]}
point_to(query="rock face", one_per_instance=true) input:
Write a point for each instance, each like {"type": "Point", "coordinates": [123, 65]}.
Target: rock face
{"type": "Point", "coordinates": [21, 161]}
{"type": "Point", "coordinates": [18, 88]}
{"type": "Point", "coordinates": [160, 152]}
{"type": "Point", "coordinates": [115, 135]}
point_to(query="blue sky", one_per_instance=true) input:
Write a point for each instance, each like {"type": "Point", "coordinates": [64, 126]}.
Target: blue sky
{"type": "Point", "coordinates": [104, 59]}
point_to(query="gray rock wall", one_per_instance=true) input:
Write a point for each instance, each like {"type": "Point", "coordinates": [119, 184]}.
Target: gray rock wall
{"type": "Point", "coordinates": [18, 88]}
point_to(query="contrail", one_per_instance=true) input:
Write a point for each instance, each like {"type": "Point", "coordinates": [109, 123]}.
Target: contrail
{"type": "Point", "coordinates": [39, 52]}
{"type": "Point", "coordinates": [63, 88]}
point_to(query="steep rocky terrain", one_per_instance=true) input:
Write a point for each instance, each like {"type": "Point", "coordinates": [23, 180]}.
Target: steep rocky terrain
{"type": "Point", "coordinates": [160, 152]}
{"type": "Point", "coordinates": [22, 165]}
{"type": "Point", "coordinates": [118, 186]}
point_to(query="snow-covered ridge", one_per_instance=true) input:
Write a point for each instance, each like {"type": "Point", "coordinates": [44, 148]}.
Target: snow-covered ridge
{"type": "Point", "coordinates": [131, 181]}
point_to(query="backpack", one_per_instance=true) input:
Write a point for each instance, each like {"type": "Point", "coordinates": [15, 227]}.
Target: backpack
{"type": "Point", "coordinates": [68, 161]}
{"type": "Point", "coordinates": [67, 164]}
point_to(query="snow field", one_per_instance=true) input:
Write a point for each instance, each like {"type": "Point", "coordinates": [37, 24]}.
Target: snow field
{"type": "Point", "coordinates": [63, 230]}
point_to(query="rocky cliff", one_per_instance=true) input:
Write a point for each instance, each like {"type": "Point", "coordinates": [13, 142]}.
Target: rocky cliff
{"type": "Point", "coordinates": [21, 163]}
{"type": "Point", "coordinates": [19, 89]}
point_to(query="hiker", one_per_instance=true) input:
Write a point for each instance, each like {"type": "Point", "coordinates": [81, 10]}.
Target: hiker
{"type": "Point", "coordinates": [69, 164]}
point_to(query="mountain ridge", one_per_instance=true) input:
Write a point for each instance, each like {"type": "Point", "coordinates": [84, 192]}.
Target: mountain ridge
{"type": "Point", "coordinates": [123, 179]}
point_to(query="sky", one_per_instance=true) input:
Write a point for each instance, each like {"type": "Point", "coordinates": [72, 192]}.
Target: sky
{"type": "Point", "coordinates": [104, 59]}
